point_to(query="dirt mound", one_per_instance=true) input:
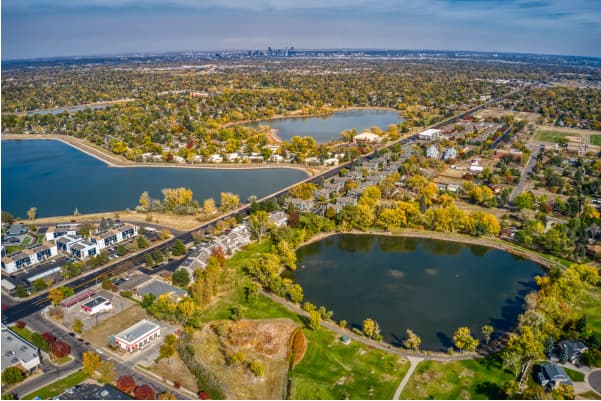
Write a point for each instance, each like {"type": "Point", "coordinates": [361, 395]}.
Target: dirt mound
{"type": "Point", "coordinates": [268, 337]}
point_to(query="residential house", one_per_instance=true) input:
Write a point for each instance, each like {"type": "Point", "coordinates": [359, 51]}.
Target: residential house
{"type": "Point", "coordinates": [450, 154]}
{"type": "Point", "coordinates": [574, 348]}
{"type": "Point", "coordinates": [300, 204]}
{"type": "Point", "coordinates": [29, 257]}
{"type": "Point", "coordinates": [158, 288]}
{"type": "Point", "coordinates": [432, 152]}
{"type": "Point", "coordinates": [551, 375]}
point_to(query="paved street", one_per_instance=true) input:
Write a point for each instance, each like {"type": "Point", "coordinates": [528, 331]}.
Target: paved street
{"type": "Point", "coordinates": [525, 174]}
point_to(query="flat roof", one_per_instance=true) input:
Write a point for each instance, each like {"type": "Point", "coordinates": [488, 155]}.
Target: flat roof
{"type": "Point", "coordinates": [15, 349]}
{"type": "Point", "coordinates": [95, 302]}
{"type": "Point", "coordinates": [137, 331]}
{"type": "Point", "coordinates": [158, 288]}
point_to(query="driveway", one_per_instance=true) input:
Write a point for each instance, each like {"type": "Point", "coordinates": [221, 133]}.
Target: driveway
{"type": "Point", "coordinates": [594, 380]}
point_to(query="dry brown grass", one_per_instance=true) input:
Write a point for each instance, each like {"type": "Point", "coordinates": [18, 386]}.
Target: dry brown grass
{"type": "Point", "coordinates": [175, 370]}
{"type": "Point", "coordinates": [266, 341]}
{"type": "Point", "coordinates": [98, 335]}
{"type": "Point", "coordinates": [498, 113]}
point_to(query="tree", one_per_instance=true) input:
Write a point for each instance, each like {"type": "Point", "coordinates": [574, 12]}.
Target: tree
{"type": "Point", "coordinates": [158, 256]}
{"type": "Point", "coordinates": [342, 324]}
{"type": "Point", "coordinates": [126, 383]}
{"type": "Point", "coordinates": [149, 261]}
{"type": "Point", "coordinates": [59, 349]}
{"type": "Point", "coordinates": [121, 250]}
{"type": "Point", "coordinates": [167, 350]}
{"type": "Point", "coordinates": [55, 295]}
{"type": "Point", "coordinates": [181, 278]}
{"type": "Point", "coordinates": [463, 339]}
{"type": "Point", "coordinates": [12, 375]}
{"type": "Point", "coordinates": [564, 355]}
{"type": "Point", "coordinates": [165, 234]}
{"type": "Point", "coordinates": [143, 242]}
{"type": "Point", "coordinates": [77, 326]}
{"type": "Point", "coordinates": [39, 285]}
{"type": "Point", "coordinates": [413, 341]}
{"type": "Point", "coordinates": [208, 206]}
{"type": "Point", "coordinates": [258, 224]}
{"type": "Point", "coordinates": [258, 368]}
{"type": "Point", "coordinates": [487, 331]}
{"type": "Point", "coordinates": [107, 284]}
{"type": "Point", "coordinates": [166, 395]}
{"type": "Point", "coordinates": [144, 201]}
{"type": "Point", "coordinates": [32, 212]}
{"type": "Point", "coordinates": [179, 248]}
{"type": "Point", "coordinates": [229, 201]}
{"type": "Point", "coordinates": [522, 349]}
{"type": "Point", "coordinates": [107, 372]}
{"type": "Point", "coordinates": [371, 328]}
{"type": "Point", "coordinates": [90, 362]}
{"type": "Point", "coordinates": [287, 255]}
{"type": "Point", "coordinates": [144, 392]}
{"type": "Point", "coordinates": [314, 320]}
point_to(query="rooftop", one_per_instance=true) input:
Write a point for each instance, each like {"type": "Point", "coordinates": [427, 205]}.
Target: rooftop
{"type": "Point", "coordinates": [15, 349]}
{"type": "Point", "coordinates": [158, 288]}
{"type": "Point", "coordinates": [138, 330]}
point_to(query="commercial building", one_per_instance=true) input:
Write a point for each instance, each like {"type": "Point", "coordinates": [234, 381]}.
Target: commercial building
{"type": "Point", "coordinates": [429, 134]}
{"type": "Point", "coordinates": [18, 352]}
{"type": "Point", "coordinates": [97, 305]}
{"type": "Point", "coordinates": [367, 137]}
{"type": "Point", "coordinates": [138, 336]}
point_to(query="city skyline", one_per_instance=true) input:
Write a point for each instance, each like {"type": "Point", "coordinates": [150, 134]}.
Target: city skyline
{"type": "Point", "coordinates": [40, 28]}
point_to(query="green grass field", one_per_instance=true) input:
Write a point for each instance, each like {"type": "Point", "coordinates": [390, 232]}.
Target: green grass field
{"type": "Point", "coordinates": [589, 305]}
{"type": "Point", "coordinates": [29, 336]}
{"type": "Point", "coordinates": [331, 370]}
{"type": "Point", "coordinates": [58, 387]}
{"type": "Point", "coordinates": [596, 140]}
{"type": "Point", "coordinates": [552, 136]}
{"type": "Point", "coordinates": [575, 375]}
{"type": "Point", "coordinates": [482, 378]}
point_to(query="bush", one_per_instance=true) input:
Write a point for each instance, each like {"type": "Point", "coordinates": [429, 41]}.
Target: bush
{"type": "Point", "coordinates": [591, 358]}
{"type": "Point", "coordinates": [20, 324]}
{"type": "Point", "coordinates": [179, 248]}
{"type": "Point", "coordinates": [144, 392]}
{"type": "Point", "coordinates": [12, 375]}
{"type": "Point", "coordinates": [126, 383]}
{"type": "Point", "coordinates": [60, 349]}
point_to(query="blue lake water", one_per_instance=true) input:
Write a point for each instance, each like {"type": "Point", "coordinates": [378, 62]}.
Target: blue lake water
{"type": "Point", "coordinates": [430, 286]}
{"type": "Point", "coordinates": [57, 178]}
{"type": "Point", "coordinates": [326, 128]}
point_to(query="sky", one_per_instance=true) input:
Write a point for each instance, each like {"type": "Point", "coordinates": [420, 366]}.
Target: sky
{"type": "Point", "coordinates": [54, 28]}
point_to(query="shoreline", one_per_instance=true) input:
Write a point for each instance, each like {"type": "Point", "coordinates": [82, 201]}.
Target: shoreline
{"type": "Point", "coordinates": [71, 109]}
{"type": "Point", "coordinates": [450, 237]}
{"type": "Point", "coordinates": [116, 162]}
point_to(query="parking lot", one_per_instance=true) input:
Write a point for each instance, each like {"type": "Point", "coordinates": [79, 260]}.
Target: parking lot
{"type": "Point", "coordinates": [76, 311]}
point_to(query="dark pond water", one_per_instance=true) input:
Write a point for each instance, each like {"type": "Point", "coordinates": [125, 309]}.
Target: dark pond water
{"type": "Point", "coordinates": [429, 286]}
{"type": "Point", "coordinates": [57, 178]}
{"type": "Point", "coordinates": [327, 128]}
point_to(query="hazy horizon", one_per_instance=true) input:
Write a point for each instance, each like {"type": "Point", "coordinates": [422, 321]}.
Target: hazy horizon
{"type": "Point", "coordinates": [64, 28]}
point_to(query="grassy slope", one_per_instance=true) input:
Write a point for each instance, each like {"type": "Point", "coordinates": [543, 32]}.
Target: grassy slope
{"type": "Point", "coordinates": [472, 379]}
{"type": "Point", "coordinates": [589, 305]}
{"type": "Point", "coordinates": [331, 370]}
{"type": "Point", "coordinates": [58, 387]}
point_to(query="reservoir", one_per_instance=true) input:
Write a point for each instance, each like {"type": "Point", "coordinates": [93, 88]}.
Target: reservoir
{"type": "Point", "coordinates": [327, 128]}
{"type": "Point", "coordinates": [430, 286]}
{"type": "Point", "coordinates": [57, 178]}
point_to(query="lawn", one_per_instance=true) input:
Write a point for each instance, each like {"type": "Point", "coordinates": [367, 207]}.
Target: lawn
{"type": "Point", "coordinates": [589, 305]}
{"type": "Point", "coordinates": [32, 337]}
{"type": "Point", "coordinates": [552, 136]}
{"type": "Point", "coordinates": [575, 375]}
{"type": "Point", "coordinates": [481, 378]}
{"type": "Point", "coordinates": [596, 140]}
{"type": "Point", "coordinates": [58, 387]}
{"type": "Point", "coordinates": [26, 240]}
{"type": "Point", "coordinates": [331, 370]}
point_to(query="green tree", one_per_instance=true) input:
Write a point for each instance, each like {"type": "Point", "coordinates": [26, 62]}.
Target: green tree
{"type": "Point", "coordinates": [413, 341]}
{"type": "Point", "coordinates": [12, 375]}
{"type": "Point", "coordinates": [463, 339]}
{"type": "Point", "coordinates": [148, 260]}
{"type": "Point", "coordinates": [77, 326]}
{"type": "Point", "coordinates": [179, 248]}
{"type": "Point", "coordinates": [181, 278]}
{"type": "Point", "coordinates": [371, 328]}
{"type": "Point", "coordinates": [143, 242]}
{"type": "Point", "coordinates": [487, 331]}
{"type": "Point", "coordinates": [39, 285]}
{"type": "Point", "coordinates": [121, 250]}
{"type": "Point", "coordinates": [258, 224]}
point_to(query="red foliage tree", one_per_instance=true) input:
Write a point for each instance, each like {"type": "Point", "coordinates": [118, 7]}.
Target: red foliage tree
{"type": "Point", "coordinates": [177, 384]}
{"type": "Point", "coordinates": [219, 253]}
{"type": "Point", "coordinates": [204, 395]}
{"type": "Point", "coordinates": [144, 392]}
{"type": "Point", "coordinates": [49, 337]}
{"type": "Point", "coordinates": [294, 219]}
{"type": "Point", "coordinates": [20, 324]}
{"type": "Point", "coordinates": [60, 349]}
{"type": "Point", "coordinates": [126, 383]}
{"type": "Point", "coordinates": [170, 157]}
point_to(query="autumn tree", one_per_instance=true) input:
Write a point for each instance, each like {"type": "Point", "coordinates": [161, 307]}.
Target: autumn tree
{"type": "Point", "coordinates": [413, 341]}
{"type": "Point", "coordinates": [463, 339]}
{"type": "Point", "coordinates": [208, 206]}
{"type": "Point", "coordinates": [487, 331]}
{"type": "Point", "coordinates": [287, 254]}
{"type": "Point", "coordinates": [77, 326]}
{"type": "Point", "coordinates": [371, 328]}
{"type": "Point", "coordinates": [32, 212]}
{"type": "Point", "coordinates": [144, 201]}
{"type": "Point", "coordinates": [229, 201]}
{"type": "Point", "coordinates": [90, 362]}
{"type": "Point", "coordinates": [314, 320]}
{"type": "Point", "coordinates": [258, 224]}
{"type": "Point", "coordinates": [303, 191]}
{"type": "Point", "coordinates": [126, 383]}
{"type": "Point", "coordinates": [55, 295]}
{"type": "Point", "coordinates": [144, 392]}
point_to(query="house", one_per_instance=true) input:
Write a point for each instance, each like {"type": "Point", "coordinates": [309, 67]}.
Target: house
{"type": "Point", "coordinates": [330, 162]}
{"type": "Point", "coordinates": [475, 169]}
{"type": "Point", "coordinates": [432, 152]}
{"type": "Point", "coordinates": [453, 188]}
{"type": "Point", "coordinates": [197, 159]}
{"type": "Point", "coordinates": [449, 154]}
{"type": "Point", "coordinates": [274, 158]}
{"type": "Point", "coordinates": [18, 352]}
{"type": "Point", "coordinates": [58, 231]}
{"type": "Point", "coordinates": [97, 305]}
{"type": "Point", "coordinates": [279, 218]}
{"type": "Point", "coordinates": [158, 288]}
{"type": "Point", "coordinates": [312, 160]}
{"type": "Point", "coordinates": [367, 138]}
{"type": "Point", "coordinates": [429, 134]}
{"type": "Point", "coordinates": [178, 159]}
{"type": "Point", "coordinates": [551, 375]}
{"type": "Point", "coordinates": [16, 230]}
{"type": "Point", "coordinates": [138, 336]}
{"type": "Point", "coordinates": [215, 158]}
{"type": "Point", "coordinates": [575, 349]}
{"type": "Point", "coordinates": [300, 204]}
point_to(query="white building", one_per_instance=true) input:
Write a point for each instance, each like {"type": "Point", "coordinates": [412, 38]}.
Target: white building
{"type": "Point", "coordinates": [215, 158]}
{"type": "Point", "coordinates": [97, 305]}
{"type": "Point", "coordinates": [54, 232]}
{"type": "Point", "coordinates": [449, 153]}
{"type": "Point", "coordinates": [432, 152]}
{"type": "Point", "coordinates": [367, 137]}
{"type": "Point", "coordinates": [138, 336]}
{"type": "Point", "coordinates": [78, 247]}
{"type": "Point", "coordinates": [29, 257]}
{"type": "Point", "coordinates": [429, 134]}
{"type": "Point", "coordinates": [18, 353]}
{"type": "Point", "coordinates": [331, 162]}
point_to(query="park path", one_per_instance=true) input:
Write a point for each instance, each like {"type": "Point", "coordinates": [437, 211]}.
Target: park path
{"type": "Point", "coordinates": [414, 361]}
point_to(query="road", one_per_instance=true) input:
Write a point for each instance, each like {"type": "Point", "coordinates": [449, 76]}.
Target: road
{"type": "Point", "coordinates": [525, 174]}
{"type": "Point", "coordinates": [52, 372]}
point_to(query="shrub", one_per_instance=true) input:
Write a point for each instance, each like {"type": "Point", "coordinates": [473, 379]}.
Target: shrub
{"type": "Point", "coordinates": [20, 324]}
{"type": "Point", "coordinates": [12, 375]}
{"type": "Point", "coordinates": [126, 383]}
{"type": "Point", "coordinates": [144, 392]}
{"type": "Point", "coordinates": [49, 337]}
{"type": "Point", "coordinates": [60, 349]}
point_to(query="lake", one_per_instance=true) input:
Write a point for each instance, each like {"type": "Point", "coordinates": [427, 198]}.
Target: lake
{"type": "Point", "coordinates": [430, 286]}
{"type": "Point", "coordinates": [327, 128]}
{"type": "Point", "coordinates": [57, 178]}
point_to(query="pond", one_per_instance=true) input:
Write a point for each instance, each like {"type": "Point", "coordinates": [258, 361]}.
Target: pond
{"type": "Point", "coordinates": [327, 128]}
{"type": "Point", "coordinates": [430, 286]}
{"type": "Point", "coordinates": [57, 178]}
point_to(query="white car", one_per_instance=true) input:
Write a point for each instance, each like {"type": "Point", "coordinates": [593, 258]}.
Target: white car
{"type": "Point", "coordinates": [99, 351]}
